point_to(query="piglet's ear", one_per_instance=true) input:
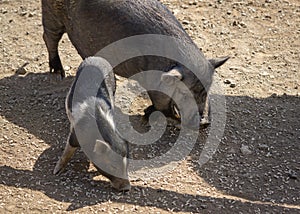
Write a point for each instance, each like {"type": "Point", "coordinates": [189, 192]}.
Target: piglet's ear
{"type": "Point", "coordinates": [101, 147]}
{"type": "Point", "coordinates": [172, 76]}
{"type": "Point", "coordinates": [217, 62]}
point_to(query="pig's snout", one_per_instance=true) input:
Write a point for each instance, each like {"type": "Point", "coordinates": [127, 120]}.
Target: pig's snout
{"type": "Point", "coordinates": [121, 184]}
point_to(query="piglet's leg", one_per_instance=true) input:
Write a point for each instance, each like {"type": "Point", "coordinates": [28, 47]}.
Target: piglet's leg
{"type": "Point", "coordinates": [69, 151]}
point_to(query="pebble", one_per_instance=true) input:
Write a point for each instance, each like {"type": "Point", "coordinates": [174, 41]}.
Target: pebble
{"type": "Point", "coordinates": [185, 22]}
{"type": "Point", "coordinates": [176, 11]}
{"type": "Point", "coordinates": [263, 147]}
{"type": "Point", "coordinates": [31, 14]}
{"type": "Point", "coordinates": [243, 25]}
{"type": "Point", "coordinates": [232, 85]}
{"type": "Point", "coordinates": [245, 150]}
{"type": "Point", "coordinates": [292, 174]}
{"type": "Point", "coordinates": [3, 11]}
{"type": "Point", "coordinates": [203, 206]}
{"type": "Point", "coordinates": [21, 71]}
{"type": "Point", "coordinates": [264, 73]}
{"type": "Point", "coordinates": [227, 81]}
{"type": "Point", "coordinates": [67, 68]}
{"type": "Point", "coordinates": [184, 6]}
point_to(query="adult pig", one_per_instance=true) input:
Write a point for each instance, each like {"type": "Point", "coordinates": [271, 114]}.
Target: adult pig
{"type": "Point", "coordinates": [90, 109]}
{"type": "Point", "coordinates": [95, 24]}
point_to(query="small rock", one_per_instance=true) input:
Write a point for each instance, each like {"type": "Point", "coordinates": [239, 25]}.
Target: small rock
{"type": "Point", "coordinates": [232, 151]}
{"type": "Point", "coordinates": [3, 11]}
{"type": "Point", "coordinates": [203, 206]}
{"type": "Point", "coordinates": [31, 14]}
{"type": "Point", "coordinates": [269, 154]}
{"type": "Point", "coordinates": [67, 68]}
{"type": "Point", "coordinates": [93, 183]}
{"type": "Point", "coordinates": [192, 3]}
{"type": "Point", "coordinates": [268, 17]}
{"type": "Point", "coordinates": [245, 150]}
{"type": "Point", "coordinates": [185, 22]}
{"type": "Point", "coordinates": [243, 25]}
{"type": "Point", "coordinates": [184, 6]}
{"type": "Point", "coordinates": [263, 147]}
{"type": "Point", "coordinates": [292, 174]}
{"type": "Point", "coordinates": [232, 85]}
{"type": "Point", "coordinates": [22, 70]}
{"type": "Point", "coordinates": [159, 190]}
{"type": "Point", "coordinates": [23, 13]}
{"type": "Point", "coordinates": [176, 11]}
{"type": "Point", "coordinates": [264, 73]}
{"type": "Point", "coordinates": [227, 81]}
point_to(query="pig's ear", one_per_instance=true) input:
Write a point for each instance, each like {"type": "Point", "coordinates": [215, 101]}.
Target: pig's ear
{"type": "Point", "coordinates": [101, 147]}
{"type": "Point", "coordinates": [217, 62]}
{"type": "Point", "coordinates": [172, 76]}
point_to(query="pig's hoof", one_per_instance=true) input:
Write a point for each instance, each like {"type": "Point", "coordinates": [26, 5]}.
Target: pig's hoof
{"type": "Point", "coordinates": [204, 123]}
{"type": "Point", "coordinates": [60, 72]}
{"type": "Point", "coordinates": [58, 168]}
{"type": "Point", "coordinates": [122, 185]}
{"type": "Point", "coordinates": [126, 188]}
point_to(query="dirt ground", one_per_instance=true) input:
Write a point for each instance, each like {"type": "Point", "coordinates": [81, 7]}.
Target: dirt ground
{"type": "Point", "coordinates": [256, 168]}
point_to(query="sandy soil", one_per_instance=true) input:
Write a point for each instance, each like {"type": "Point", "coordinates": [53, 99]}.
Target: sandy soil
{"type": "Point", "coordinates": [256, 168]}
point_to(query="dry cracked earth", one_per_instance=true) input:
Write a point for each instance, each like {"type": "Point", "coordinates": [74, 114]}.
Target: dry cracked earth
{"type": "Point", "coordinates": [256, 168]}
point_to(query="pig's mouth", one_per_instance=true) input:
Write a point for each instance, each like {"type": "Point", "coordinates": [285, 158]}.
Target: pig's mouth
{"type": "Point", "coordinates": [193, 123]}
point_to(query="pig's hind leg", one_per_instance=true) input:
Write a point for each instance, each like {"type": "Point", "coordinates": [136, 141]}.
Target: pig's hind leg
{"type": "Point", "coordinates": [53, 31]}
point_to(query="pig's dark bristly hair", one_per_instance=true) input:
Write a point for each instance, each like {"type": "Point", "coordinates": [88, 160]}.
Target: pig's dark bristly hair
{"type": "Point", "coordinates": [106, 125]}
{"type": "Point", "coordinates": [94, 71]}
{"type": "Point", "coordinates": [100, 106]}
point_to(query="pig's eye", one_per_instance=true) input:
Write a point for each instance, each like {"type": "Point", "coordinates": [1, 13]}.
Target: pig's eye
{"type": "Point", "coordinates": [177, 112]}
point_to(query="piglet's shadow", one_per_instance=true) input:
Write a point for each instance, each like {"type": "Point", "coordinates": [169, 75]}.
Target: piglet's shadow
{"type": "Point", "coordinates": [36, 103]}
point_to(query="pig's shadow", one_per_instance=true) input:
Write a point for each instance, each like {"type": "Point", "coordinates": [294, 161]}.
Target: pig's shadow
{"type": "Point", "coordinates": [36, 104]}
{"type": "Point", "coordinates": [258, 158]}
